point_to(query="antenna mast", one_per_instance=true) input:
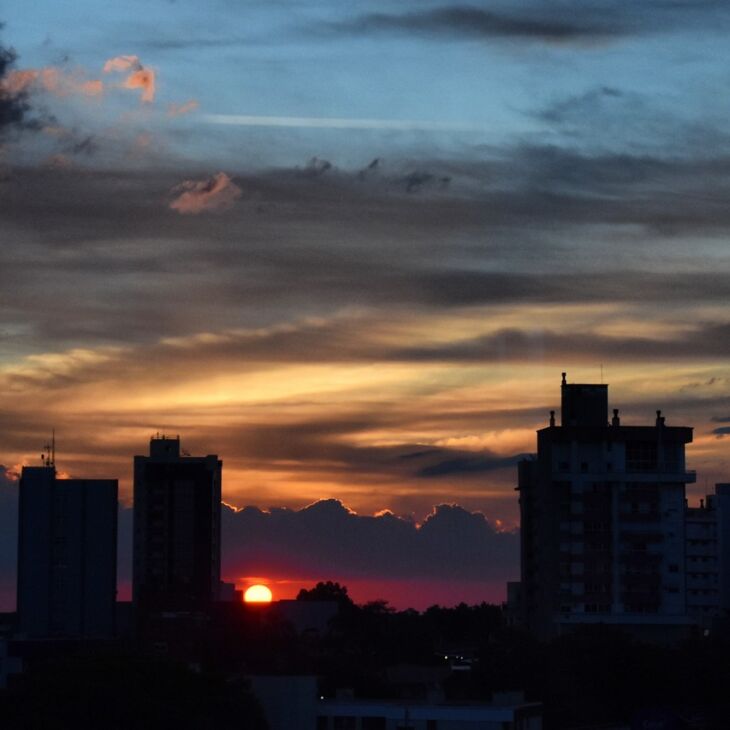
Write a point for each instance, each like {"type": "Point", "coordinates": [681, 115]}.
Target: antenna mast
{"type": "Point", "coordinates": [48, 457]}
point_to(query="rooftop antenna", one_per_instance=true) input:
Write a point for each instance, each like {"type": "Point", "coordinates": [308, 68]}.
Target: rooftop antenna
{"type": "Point", "coordinates": [48, 457]}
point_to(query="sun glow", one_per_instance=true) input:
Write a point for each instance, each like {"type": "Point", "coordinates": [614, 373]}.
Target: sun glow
{"type": "Point", "coordinates": [257, 594]}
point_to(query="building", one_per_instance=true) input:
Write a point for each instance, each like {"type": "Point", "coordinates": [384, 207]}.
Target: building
{"type": "Point", "coordinates": [177, 529]}
{"type": "Point", "coordinates": [293, 703]}
{"type": "Point", "coordinates": [602, 509]}
{"type": "Point", "coordinates": [707, 539]}
{"type": "Point", "coordinates": [10, 665]}
{"type": "Point", "coordinates": [67, 555]}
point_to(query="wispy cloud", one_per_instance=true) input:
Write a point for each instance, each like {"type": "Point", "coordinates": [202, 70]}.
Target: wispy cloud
{"type": "Point", "coordinates": [404, 125]}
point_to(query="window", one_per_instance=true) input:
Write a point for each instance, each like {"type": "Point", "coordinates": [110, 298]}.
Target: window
{"type": "Point", "coordinates": [641, 456]}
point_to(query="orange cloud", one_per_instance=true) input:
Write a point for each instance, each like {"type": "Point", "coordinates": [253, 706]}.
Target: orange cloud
{"type": "Point", "coordinates": [122, 63]}
{"type": "Point", "coordinates": [15, 82]}
{"type": "Point", "coordinates": [139, 78]}
{"type": "Point", "coordinates": [52, 80]}
{"type": "Point", "coordinates": [143, 79]}
{"type": "Point", "coordinates": [214, 194]}
{"type": "Point", "coordinates": [176, 110]}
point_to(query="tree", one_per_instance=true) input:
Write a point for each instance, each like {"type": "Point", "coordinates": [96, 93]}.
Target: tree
{"type": "Point", "coordinates": [327, 591]}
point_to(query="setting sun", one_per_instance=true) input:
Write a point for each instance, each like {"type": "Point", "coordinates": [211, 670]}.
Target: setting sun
{"type": "Point", "coordinates": [257, 594]}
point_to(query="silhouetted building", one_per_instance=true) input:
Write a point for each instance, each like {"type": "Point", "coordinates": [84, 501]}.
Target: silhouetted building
{"type": "Point", "coordinates": [67, 555]}
{"type": "Point", "coordinates": [295, 702]}
{"type": "Point", "coordinates": [602, 510]}
{"type": "Point", "coordinates": [177, 528]}
{"type": "Point", "coordinates": [707, 536]}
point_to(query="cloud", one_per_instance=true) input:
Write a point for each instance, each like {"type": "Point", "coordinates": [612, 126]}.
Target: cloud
{"type": "Point", "coordinates": [402, 125]}
{"type": "Point", "coordinates": [54, 80]}
{"type": "Point", "coordinates": [331, 542]}
{"type": "Point", "coordinates": [217, 193]}
{"type": "Point", "coordinates": [721, 431]}
{"type": "Point", "coordinates": [139, 76]}
{"type": "Point", "coordinates": [177, 110]}
{"type": "Point", "coordinates": [328, 541]}
{"type": "Point", "coordinates": [466, 21]}
{"type": "Point", "coordinates": [469, 464]}
{"type": "Point", "coordinates": [583, 23]}
{"type": "Point", "coordinates": [14, 105]}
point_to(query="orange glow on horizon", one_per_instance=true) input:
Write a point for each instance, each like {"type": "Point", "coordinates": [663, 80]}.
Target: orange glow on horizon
{"type": "Point", "coordinates": [257, 594]}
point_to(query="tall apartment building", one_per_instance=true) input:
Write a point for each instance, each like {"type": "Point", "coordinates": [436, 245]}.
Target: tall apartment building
{"type": "Point", "coordinates": [707, 556]}
{"type": "Point", "coordinates": [602, 509]}
{"type": "Point", "coordinates": [67, 555]}
{"type": "Point", "coordinates": [177, 528]}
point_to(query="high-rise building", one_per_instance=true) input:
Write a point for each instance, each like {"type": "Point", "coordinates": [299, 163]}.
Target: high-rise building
{"type": "Point", "coordinates": [177, 528]}
{"type": "Point", "coordinates": [602, 509]}
{"type": "Point", "coordinates": [67, 555]}
{"type": "Point", "coordinates": [707, 538]}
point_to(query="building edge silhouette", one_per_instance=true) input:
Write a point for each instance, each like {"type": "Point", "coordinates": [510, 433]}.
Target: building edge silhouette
{"type": "Point", "coordinates": [605, 527]}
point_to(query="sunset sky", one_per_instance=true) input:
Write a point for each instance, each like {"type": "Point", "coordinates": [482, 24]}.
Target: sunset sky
{"type": "Point", "coordinates": [350, 247]}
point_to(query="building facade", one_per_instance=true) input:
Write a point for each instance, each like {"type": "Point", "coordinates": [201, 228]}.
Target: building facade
{"type": "Point", "coordinates": [67, 555]}
{"type": "Point", "coordinates": [707, 538]}
{"type": "Point", "coordinates": [602, 509]}
{"type": "Point", "coordinates": [177, 528]}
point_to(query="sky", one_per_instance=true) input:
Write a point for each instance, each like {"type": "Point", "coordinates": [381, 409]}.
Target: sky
{"type": "Point", "coordinates": [350, 248]}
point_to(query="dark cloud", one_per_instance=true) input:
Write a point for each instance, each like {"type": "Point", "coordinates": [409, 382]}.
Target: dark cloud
{"type": "Point", "coordinates": [584, 23]}
{"type": "Point", "coordinates": [722, 431]}
{"type": "Point", "coordinates": [466, 21]}
{"type": "Point", "coordinates": [316, 167]}
{"type": "Point", "coordinates": [567, 109]}
{"type": "Point", "coordinates": [507, 229]}
{"type": "Point", "coordinates": [328, 540]}
{"type": "Point", "coordinates": [415, 182]}
{"type": "Point", "coordinates": [711, 340]}
{"type": "Point", "coordinates": [469, 464]}
{"type": "Point", "coordinates": [322, 541]}
{"type": "Point", "coordinates": [14, 106]}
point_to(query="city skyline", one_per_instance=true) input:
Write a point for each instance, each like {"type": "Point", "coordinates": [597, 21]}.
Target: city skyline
{"type": "Point", "coordinates": [350, 249]}
{"type": "Point", "coordinates": [452, 556]}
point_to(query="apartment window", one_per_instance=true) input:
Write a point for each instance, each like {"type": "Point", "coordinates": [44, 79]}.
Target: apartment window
{"type": "Point", "coordinates": [641, 456]}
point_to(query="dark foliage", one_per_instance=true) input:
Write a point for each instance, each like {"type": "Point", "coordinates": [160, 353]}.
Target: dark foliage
{"type": "Point", "coordinates": [119, 691]}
